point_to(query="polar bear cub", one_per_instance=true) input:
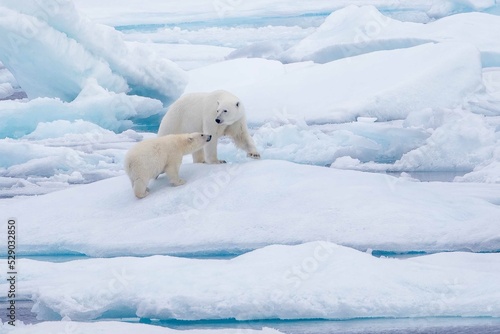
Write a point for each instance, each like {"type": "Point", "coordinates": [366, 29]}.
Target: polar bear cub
{"type": "Point", "coordinates": [151, 157]}
{"type": "Point", "coordinates": [218, 113]}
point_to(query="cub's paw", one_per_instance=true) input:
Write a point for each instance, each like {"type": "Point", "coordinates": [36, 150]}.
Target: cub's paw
{"type": "Point", "coordinates": [179, 182]}
{"type": "Point", "coordinates": [253, 155]}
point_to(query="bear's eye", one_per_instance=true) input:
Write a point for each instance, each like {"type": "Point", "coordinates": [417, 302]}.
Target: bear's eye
{"type": "Point", "coordinates": [203, 135]}
{"type": "Point", "coordinates": [237, 104]}
{"type": "Point", "coordinates": [225, 110]}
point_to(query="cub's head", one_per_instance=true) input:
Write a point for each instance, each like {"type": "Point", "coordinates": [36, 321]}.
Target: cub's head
{"type": "Point", "coordinates": [229, 110]}
{"type": "Point", "coordinates": [196, 140]}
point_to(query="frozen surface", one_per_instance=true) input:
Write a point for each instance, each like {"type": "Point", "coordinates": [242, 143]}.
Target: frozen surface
{"type": "Point", "coordinates": [107, 327]}
{"type": "Point", "coordinates": [317, 280]}
{"type": "Point", "coordinates": [53, 50]}
{"type": "Point", "coordinates": [356, 30]}
{"type": "Point", "coordinates": [207, 215]}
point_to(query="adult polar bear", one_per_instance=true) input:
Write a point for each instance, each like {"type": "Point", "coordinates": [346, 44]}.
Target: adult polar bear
{"type": "Point", "coordinates": [218, 113]}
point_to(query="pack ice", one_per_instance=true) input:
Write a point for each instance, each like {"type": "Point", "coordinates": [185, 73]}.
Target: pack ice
{"type": "Point", "coordinates": [317, 280]}
{"type": "Point", "coordinates": [355, 88]}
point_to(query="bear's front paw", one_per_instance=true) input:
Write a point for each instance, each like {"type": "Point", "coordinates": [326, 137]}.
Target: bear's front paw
{"type": "Point", "coordinates": [179, 182]}
{"type": "Point", "coordinates": [215, 162]}
{"type": "Point", "coordinates": [253, 155]}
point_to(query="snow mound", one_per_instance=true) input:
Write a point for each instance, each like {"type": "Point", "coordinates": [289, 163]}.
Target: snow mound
{"type": "Point", "coordinates": [317, 280]}
{"type": "Point", "coordinates": [53, 50]}
{"type": "Point", "coordinates": [357, 30]}
{"type": "Point", "coordinates": [487, 171]}
{"type": "Point", "coordinates": [206, 215]}
{"type": "Point", "coordinates": [425, 76]}
{"type": "Point", "coordinates": [461, 144]}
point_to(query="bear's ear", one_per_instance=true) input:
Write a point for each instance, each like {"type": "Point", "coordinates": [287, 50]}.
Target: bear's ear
{"type": "Point", "coordinates": [237, 104]}
{"type": "Point", "coordinates": [218, 103]}
{"type": "Point", "coordinates": [190, 139]}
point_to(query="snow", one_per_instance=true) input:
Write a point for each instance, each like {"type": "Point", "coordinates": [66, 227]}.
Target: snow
{"type": "Point", "coordinates": [317, 280]}
{"type": "Point", "coordinates": [106, 327]}
{"type": "Point", "coordinates": [207, 215]}
{"type": "Point", "coordinates": [356, 30]}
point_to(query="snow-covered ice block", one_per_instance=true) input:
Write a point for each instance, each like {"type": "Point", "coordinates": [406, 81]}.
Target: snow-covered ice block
{"type": "Point", "coordinates": [109, 110]}
{"type": "Point", "coordinates": [108, 327]}
{"type": "Point", "coordinates": [356, 30]}
{"type": "Point", "coordinates": [316, 280]}
{"type": "Point", "coordinates": [53, 49]}
{"type": "Point", "coordinates": [40, 67]}
{"type": "Point", "coordinates": [425, 76]}
{"type": "Point", "coordinates": [234, 207]}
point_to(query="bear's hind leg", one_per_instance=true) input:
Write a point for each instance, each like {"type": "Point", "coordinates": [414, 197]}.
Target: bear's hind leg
{"type": "Point", "coordinates": [140, 188]}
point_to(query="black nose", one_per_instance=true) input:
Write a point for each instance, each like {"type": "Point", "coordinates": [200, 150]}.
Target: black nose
{"type": "Point", "coordinates": [218, 121]}
{"type": "Point", "coordinates": [209, 137]}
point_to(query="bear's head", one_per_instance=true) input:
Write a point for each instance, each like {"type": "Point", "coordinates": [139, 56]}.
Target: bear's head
{"type": "Point", "coordinates": [229, 110]}
{"type": "Point", "coordinates": [196, 140]}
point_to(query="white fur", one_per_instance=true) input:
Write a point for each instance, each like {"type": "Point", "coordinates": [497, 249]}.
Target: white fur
{"type": "Point", "coordinates": [151, 157]}
{"type": "Point", "coordinates": [199, 112]}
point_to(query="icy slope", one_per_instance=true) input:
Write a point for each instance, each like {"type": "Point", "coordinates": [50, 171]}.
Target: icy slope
{"type": "Point", "coordinates": [317, 280]}
{"type": "Point", "coordinates": [244, 206]}
{"type": "Point", "coordinates": [425, 76]}
{"type": "Point", "coordinates": [52, 50]}
{"type": "Point", "coordinates": [355, 30]}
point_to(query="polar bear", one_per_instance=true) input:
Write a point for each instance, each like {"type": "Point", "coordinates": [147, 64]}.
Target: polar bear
{"type": "Point", "coordinates": [151, 157]}
{"type": "Point", "coordinates": [218, 113]}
